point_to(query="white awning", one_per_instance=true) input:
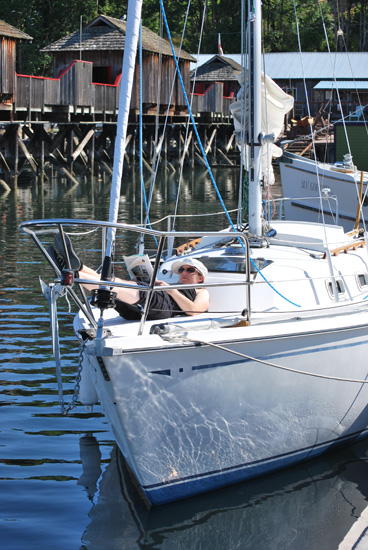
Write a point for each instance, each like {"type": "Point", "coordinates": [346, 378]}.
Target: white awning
{"type": "Point", "coordinates": [342, 85]}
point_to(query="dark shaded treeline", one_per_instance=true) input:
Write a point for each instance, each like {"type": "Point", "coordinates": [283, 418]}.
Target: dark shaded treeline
{"type": "Point", "coordinates": [48, 20]}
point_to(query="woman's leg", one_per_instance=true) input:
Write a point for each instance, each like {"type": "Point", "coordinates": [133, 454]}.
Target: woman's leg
{"type": "Point", "coordinates": [128, 295]}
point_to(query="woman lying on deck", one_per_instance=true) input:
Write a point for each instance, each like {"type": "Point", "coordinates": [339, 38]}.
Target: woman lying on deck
{"type": "Point", "coordinates": [130, 301]}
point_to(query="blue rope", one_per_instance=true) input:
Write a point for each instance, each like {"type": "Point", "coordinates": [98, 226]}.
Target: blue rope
{"type": "Point", "coordinates": [192, 119]}
{"type": "Point", "coordinates": [204, 154]}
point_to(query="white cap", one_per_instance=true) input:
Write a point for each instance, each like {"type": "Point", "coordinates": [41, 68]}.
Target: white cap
{"type": "Point", "coordinates": [190, 261]}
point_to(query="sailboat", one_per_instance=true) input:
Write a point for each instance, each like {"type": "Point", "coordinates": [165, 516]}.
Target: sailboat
{"type": "Point", "coordinates": [343, 188]}
{"type": "Point", "coordinates": [274, 373]}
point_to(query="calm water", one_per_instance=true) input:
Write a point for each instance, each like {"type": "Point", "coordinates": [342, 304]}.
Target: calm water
{"type": "Point", "coordinates": [63, 485]}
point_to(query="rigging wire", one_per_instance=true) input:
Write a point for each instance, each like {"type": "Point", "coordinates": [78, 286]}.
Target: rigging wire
{"type": "Point", "coordinates": [191, 103]}
{"type": "Point", "coordinates": [205, 156]}
{"type": "Point", "coordinates": [328, 253]}
{"type": "Point", "coordinates": [143, 190]}
{"type": "Point", "coordinates": [159, 148]}
{"type": "Point", "coordinates": [242, 176]}
{"type": "Point", "coordinates": [341, 34]}
{"type": "Point", "coordinates": [337, 92]}
{"type": "Point", "coordinates": [193, 121]}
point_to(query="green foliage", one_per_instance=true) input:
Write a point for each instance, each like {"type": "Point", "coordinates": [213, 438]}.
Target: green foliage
{"type": "Point", "coordinates": [49, 20]}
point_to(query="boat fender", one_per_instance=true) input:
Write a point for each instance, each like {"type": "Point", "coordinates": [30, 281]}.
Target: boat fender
{"type": "Point", "coordinates": [87, 391]}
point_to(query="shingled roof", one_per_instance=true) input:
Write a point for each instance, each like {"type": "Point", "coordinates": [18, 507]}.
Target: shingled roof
{"type": "Point", "coordinates": [12, 32]}
{"type": "Point", "coordinates": [108, 33]}
{"type": "Point", "coordinates": [218, 68]}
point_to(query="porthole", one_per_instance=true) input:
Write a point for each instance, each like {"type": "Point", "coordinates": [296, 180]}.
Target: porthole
{"type": "Point", "coordinates": [362, 279]}
{"type": "Point", "coordinates": [340, 287]}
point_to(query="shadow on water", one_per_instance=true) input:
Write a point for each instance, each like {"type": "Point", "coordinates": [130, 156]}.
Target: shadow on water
{"type": "Point", "coordinates": [308, 507]}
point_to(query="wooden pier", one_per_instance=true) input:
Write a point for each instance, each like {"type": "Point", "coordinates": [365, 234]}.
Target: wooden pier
{"type": "Point", "coordinates": [82, 148]}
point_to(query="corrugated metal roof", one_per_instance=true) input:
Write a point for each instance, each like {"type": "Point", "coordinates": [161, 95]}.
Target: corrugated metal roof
{"type": "Point", "coordinates": [342, 85]}
{"type": "Point", "coordinates": [311, 65]}
{"type": "Point", "coordinates": [108, 33]}
{"type": "Point", "coordinates": [12, 32]}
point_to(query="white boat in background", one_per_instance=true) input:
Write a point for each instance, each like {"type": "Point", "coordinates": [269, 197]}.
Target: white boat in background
{"type": "Point", "coordinates": [275, 372]}
{"type": "Point", "coordinates": [309, 187]}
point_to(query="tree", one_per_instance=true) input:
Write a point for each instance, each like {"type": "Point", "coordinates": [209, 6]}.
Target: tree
{"type": "Point", "coordinates": [49, 20]}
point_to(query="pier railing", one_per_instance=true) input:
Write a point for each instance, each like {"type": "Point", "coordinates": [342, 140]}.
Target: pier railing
{"type": "Point", "coordinates": [73, 89]}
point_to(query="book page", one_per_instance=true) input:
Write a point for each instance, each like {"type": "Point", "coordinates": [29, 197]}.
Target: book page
{"type": "Point", "coordinates": [139, 267]}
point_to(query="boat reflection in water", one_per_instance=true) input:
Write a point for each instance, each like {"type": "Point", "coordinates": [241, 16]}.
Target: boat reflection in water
{"type": "Point", "coordinates": [306, 507]}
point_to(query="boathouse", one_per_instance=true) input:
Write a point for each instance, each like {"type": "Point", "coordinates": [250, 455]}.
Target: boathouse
{"type": "Point", "coordinates": [69, 120]}
{"type": "Point", "coordinates": [100, 47]}
{"type": "Point", "coordinates": [215, 85]}
{"type": "Point", "coordinates": [9, 36]}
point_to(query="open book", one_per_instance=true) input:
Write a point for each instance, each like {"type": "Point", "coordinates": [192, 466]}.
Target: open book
{"type": "Point", "coordinates": [139, 267]}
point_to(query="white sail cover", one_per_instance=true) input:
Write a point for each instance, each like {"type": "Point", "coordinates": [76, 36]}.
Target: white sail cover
{"type": "Point", "coordinates": [275, 105]}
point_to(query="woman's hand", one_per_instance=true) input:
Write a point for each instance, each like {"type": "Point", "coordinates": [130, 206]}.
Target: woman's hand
{"type": "Point", "coordinates": [161, 283]}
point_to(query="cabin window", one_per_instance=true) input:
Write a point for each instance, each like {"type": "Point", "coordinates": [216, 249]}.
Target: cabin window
{"type": "Point", "coordinates": [362, 280]}
{"type": "Point", "coordinates": [340, 287]}
{"type": "Point", "coordinates": [229, 263]}
{"type": "Point", "coordinates": [102, 75]}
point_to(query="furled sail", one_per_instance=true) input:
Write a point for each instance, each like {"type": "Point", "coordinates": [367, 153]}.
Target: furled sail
{"type": "Point", "coordinates": [275, 105]}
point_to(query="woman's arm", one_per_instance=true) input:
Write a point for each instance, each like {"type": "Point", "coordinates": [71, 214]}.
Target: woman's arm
{"type": "Point", "coordinates": [199, 305]}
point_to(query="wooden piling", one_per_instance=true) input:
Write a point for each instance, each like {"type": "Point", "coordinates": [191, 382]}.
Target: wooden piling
{"type": "Point", "coordinates": [77, 147]}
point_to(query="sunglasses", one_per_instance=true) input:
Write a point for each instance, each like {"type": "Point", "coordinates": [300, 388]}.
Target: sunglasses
{"type": "Point", "coordinates": [188, 269]}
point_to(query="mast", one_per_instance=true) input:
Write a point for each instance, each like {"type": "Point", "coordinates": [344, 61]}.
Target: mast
{"type": "Point", "coordinates": [255, 118]}
{"type": "Point", "coordinates": [126, 85]}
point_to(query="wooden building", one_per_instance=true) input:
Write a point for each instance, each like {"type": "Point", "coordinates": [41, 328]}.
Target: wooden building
{"type": "Point", "coordinates": [101, 44]}
{"type": "Point", "coordinates": [215, 85]}
{"type": "Point", "coordinates": [319, 74]}
{"type": "Point", "coordinates": [68, 121]}
{"type": "Point", "coordinates": [9, 36]}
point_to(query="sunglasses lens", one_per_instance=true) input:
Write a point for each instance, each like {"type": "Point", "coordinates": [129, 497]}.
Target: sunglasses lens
{"type": "Point", "coordinates": [188, 269]}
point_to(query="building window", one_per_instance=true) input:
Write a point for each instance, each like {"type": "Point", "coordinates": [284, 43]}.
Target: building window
{"type": "Point", "coordinates": [291, 91]}
{"type": "Point", "coordinates": [199, 88]}
{"type": "Point", "coordinates": [102, 75]}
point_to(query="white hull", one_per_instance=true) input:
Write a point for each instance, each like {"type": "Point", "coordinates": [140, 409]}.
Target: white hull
{"type": "Point", "coordinates": [300, 183]}
{"type": "Point", "coordinates": [191, 417]}
{"type": "Point", "coordinates": [191, 420]}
